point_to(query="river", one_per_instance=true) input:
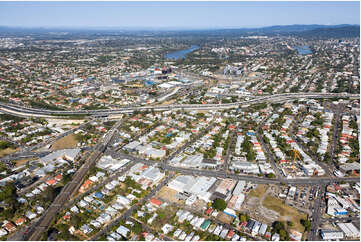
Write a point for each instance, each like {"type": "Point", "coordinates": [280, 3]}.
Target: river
{"type": "Point", "coordinates": [179, 54]}
{"type": "Point", "coordinates": [303, 50]}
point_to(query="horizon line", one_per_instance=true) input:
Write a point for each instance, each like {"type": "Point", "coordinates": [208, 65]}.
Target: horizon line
{"type": "Point", "coordinates": [167, 27]}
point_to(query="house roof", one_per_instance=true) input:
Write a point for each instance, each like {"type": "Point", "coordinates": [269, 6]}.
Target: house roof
{"type": "Point", "coordinates": [51, 182]}
{"type": "Point", "coordinates": [155, 202]}
{"type": "Point", "coordinates": [59, 177]}
{"type": "Point", "coordinates": [20, 221]}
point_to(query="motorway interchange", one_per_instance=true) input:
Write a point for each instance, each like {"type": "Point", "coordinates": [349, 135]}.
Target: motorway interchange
{"type": "Point", "coordinates": [33, 112]}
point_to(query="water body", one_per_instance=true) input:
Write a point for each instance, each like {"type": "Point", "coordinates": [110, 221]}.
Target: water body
{"type": "Point", "coordinates": [180, 54]}
{"type": "Point", "coordinates": [149, 83]}
{"type": "Point", "coordinates": [303, 50]}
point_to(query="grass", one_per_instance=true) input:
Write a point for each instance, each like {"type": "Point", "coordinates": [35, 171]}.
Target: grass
{"type": "Point", "coordinates": [258, 192]}
{"type": "Point", "coordinates": [6, 151]}
{"type": "Point", "coordinates": [66, 142]}
{"type": "Point", "coordinates": [286, 212]}
{"type": "Point", "coordinates": [22, 161]}
{"type": "Point", "coordinates": [171, 101]}
{"type": "Point", "coordinates": [164, 216]}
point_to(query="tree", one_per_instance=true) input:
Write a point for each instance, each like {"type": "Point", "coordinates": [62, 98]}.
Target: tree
{"type": "Point", "coordinates": [242, 218]}
{"type": "Point", "coordinates": [277, 226]}
{"type": "Point", "coordinates": [49, 193]}
{"type": "Point", "coordinates": [137, 228]}
{"type": "Point", "coordinates": [5, 145]}
{"type": "Point", "coordinates": [270, 175]}
{"type": "Point", "coordinates": [9, 196]}
{"type": "Point", "coordinates": [284, 235]}
{"type": "Point", "coordinates": [75, 221]}
{"type": "Point", "coordinates": [219, 204]}
{"type": "Point", "coordinates": [290, 223]}
{"type": "Point", "coordinates": [306, 223]}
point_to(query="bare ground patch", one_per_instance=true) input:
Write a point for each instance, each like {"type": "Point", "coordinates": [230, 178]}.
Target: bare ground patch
{"type": "Point", "coordinates": [224, 218]}
{"type": "Point", "coordinates": [168, 194]}
{"type": "Point", "coordinates": [66, 142]}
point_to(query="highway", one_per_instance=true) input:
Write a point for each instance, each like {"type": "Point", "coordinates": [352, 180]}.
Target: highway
{"type": "Point", "coordinates": [33, 112]}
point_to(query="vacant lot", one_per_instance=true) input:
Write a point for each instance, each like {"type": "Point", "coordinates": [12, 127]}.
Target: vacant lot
{"type": "Point", "coordinates": [258, 192]}
{"type": "Point", "coordinates": [22, 161]}
{"type": "Point", "coordinates": [224, 218]}
{"type": "Point", "coordinates": [66, 142]}
{"type": "Point", "coordinates": [168, 194]}
{"type": "Point", "coordinates": [6, 151]}
{"type": "Point", "coordinates": [286, 212]}
{"type": "Point", "coordinates": [164, 216]}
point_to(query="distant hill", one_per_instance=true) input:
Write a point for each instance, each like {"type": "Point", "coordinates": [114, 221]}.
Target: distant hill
{"type": "Point", "coordinates": [336, 32]}
{"type": "Point", "coordinates": [306, 31]}
{"type": "Point", "coordinates": [298, 28]}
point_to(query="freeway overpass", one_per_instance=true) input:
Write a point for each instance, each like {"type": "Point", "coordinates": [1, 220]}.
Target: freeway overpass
{"type": "Point", "coordinates": [34, 112]}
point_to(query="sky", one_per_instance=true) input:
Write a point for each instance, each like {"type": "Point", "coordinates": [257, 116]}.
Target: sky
{"type": "Point", "coordinates": [188, 15]}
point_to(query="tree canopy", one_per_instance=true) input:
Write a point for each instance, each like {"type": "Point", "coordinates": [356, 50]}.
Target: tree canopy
{"type": "Point", "coordinates": [219, 204]}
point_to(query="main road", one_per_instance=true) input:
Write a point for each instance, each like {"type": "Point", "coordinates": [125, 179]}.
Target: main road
{"type": "Point", "coordinates": [223, 174]}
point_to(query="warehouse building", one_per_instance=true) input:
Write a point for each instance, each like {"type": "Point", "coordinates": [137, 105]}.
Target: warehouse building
{"type": "Point", "coordinates": [349, 230]}
{"type": "Point", "coordinates": [331, 234]}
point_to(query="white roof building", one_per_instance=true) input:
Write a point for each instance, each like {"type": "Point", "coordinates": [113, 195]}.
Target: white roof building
{"type": "Point", "coordinates": [3, 232]}
{"type": "Point", "coordinates": [65, 154]}
{"type": "Point", "coordinates": [349, 229]}
{"type": "Point", "coordinates": [30, 215]}
{"type": "Point", "coordinates": [331, 235]}
{"type": "Point", "coordinates": [167, 228]}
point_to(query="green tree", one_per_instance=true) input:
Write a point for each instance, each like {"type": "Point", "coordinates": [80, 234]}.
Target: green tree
{"type": "Point", "coordinates": [270, 175]}
{"type": "Point", "coordinates": [242, 218]}
{"type": "Point", "coordinates": [219, 204]}
{"type": "Point", "coordinates": [137, 228]}
{"type": "Point", "coordinates": [306, 224]}
{"type": "Point", "coordinates": [284, 235]}
{"type": "Point", "coordinates": [49, 193]}
{"type": "Point", "coordinates": [75, 221]}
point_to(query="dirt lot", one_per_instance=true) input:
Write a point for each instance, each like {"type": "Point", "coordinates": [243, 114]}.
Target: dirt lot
{"type": "Point", "coordinates": [265, 207]}
{"type": "Point", "coordinates": [199, 205]}
{"type": "Point", "coordinates": [66, 142]}
{"type": "Point", "coordinates": [6, 151]}
{"type": "Point", "coordinates": [258, 192]}
{"type": "Point", "coordinates": [286, 212]}
{"type": "Point", "coordinates": [168, 102]}
{"type": "Point", "coordinates": [21, 162]}
{"type": "Point", "coordinates": [224, 218]}
{"type": "Point", "coordinates": [168, 194]}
